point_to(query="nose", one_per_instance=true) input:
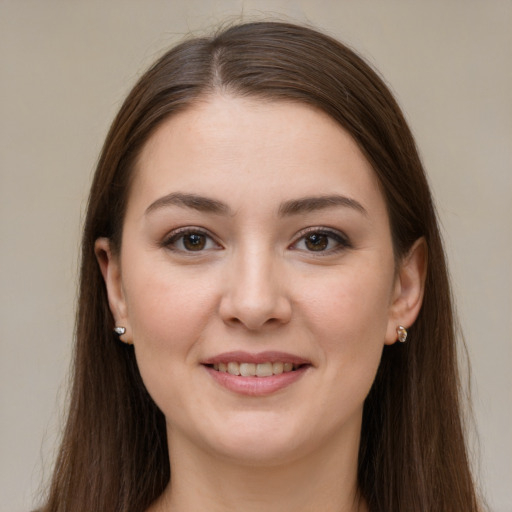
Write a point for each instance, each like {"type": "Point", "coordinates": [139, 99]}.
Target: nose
{"type": "Point", "coordinates": [255, 292]}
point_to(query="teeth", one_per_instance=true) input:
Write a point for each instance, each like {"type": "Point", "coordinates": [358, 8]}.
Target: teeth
{"type": "Point", "coordinates": [234, 368]}
{"type": "Point", "coordinates": [255, 370]}
{"type": "Point", "coordinates": [247, 369]}
{"type": "Point", "coordinates": [277, 368]}
{"type": "Point", "coordinates": [264, 370]}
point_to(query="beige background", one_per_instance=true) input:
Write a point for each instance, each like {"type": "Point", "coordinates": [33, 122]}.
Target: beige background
{"type": "Point", "coordinates": [66, 66]}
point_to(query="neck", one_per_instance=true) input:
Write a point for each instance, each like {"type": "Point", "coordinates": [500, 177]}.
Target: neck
{"type": "Point", "coordinates": [325, 480]}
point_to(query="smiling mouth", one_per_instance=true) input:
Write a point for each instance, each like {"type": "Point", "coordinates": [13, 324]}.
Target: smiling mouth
{"type": "Point", "coordinates": [256, 369]}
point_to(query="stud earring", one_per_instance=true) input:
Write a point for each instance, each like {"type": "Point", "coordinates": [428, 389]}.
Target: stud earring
{"type": "Point", "coordinates": [119, 330]}
{"type": "Point", "coordinates": [401, 331]}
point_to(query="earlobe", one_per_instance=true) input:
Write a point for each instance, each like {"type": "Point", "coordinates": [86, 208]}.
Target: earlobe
{"type": "Point", "coordinates": [111, 272]}
{"type": "Point", "coordinates": [408, 291]}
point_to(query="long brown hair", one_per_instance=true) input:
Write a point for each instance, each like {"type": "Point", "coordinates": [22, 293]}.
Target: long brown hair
{"type": "Point", "coordinates": [413, 456]}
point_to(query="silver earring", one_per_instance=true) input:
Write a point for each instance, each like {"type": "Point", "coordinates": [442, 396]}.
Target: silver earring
{"type": "Point", "coordinates": [119, 330]}
{"type": "Point", "coordinates": [401, 331]}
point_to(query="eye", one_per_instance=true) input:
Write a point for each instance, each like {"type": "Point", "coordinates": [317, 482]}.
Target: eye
{"type": "Point", "coordinates": [190, 240]}
{"type": "Point", "coordinates": [321, 240]}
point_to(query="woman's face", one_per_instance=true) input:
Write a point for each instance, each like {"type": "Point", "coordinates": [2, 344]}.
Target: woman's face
{"type": "Point", "coordinates": [256, 240]}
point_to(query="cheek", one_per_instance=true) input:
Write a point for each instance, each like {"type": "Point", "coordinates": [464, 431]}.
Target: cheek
{"type": "Point", "coordinates": [349, 323]}
{"type": "Point", "coordinates": [165, 304]}
{"type": "Point", "coordinates": [353, 301]}
{"type": "Point", "coordinates": [168, 312]}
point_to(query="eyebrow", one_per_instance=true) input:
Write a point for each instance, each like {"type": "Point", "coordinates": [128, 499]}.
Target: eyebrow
{"type": "Point", "coordinates": [310, 204]}
{"type": "Point", "coordinates": [288, 208]}
{"type": "Point", "coordinates": [193, 201]}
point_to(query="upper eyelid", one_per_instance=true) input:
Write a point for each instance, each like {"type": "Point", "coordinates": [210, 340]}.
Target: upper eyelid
{"type": "Point", "coordinates": [188, 229]}
{"type": "Point", "coordinates": [175, 234]}
{"type": "Point", "coordinates": [321, 229]}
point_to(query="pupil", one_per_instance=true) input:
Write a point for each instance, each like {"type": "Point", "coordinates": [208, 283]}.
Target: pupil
{"type": "Point", "coordinates": [317, 242]}
{"type": "Point", "coordinates": [194, 242]}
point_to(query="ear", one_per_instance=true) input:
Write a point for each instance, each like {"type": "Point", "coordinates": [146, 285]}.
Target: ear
{"type": "Point", "coordinates": [111, 270]}
{"type": "Point", "coordinates": [408, 290]}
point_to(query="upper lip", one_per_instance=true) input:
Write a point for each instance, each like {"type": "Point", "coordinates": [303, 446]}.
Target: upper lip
{"type": "Point", "coordinates": [260, 357]}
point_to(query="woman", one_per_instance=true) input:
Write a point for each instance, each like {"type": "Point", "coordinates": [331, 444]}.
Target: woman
{"type": "Point", "coordinates": [256, 243]}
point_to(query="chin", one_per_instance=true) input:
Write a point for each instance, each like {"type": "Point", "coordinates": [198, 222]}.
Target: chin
{"type": "Point", "coordinates": [259, 452]}
{"type": "Point", "coordinates": [260, 439]}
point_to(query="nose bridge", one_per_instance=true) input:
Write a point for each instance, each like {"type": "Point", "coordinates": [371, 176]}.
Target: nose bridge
{"type": "Point", "coordinates": [254, 294]}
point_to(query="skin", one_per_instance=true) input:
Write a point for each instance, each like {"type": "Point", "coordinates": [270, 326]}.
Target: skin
{"type": "Point", "coordinates": [256, 285]}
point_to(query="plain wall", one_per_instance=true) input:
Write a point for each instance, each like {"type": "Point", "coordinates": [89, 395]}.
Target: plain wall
{"type": "Point", "coordinates": [67, 65]}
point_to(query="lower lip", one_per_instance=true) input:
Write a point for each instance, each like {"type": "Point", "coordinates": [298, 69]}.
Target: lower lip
{"type": "Point", "coordinates": [257, 386]}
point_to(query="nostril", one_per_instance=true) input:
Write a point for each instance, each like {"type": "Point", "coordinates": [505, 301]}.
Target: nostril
{"type": "Point", "coordinates": [255, 324]}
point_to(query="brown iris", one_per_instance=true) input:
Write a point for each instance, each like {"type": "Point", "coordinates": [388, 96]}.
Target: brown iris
{"type": "Point", "coordinates": [194, 241]}
{"type": "Point", "coordinates": [317, 242]}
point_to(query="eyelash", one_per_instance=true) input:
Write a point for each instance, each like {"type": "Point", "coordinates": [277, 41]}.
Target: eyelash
{"type": "Point", "coordinates": [341, 240]}
{"type": "Point", "coordinates": [171, 241]}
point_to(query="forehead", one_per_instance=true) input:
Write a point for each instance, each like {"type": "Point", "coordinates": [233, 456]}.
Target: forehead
{"type": "Point", "coordinates": [230, 147]}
